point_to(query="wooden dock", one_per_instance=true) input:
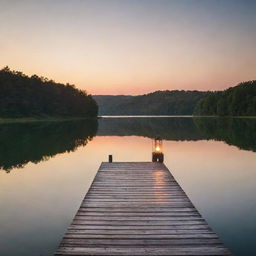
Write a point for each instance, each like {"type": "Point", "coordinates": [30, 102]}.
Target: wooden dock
{"type": "Point", "coordinates": [138, 208]}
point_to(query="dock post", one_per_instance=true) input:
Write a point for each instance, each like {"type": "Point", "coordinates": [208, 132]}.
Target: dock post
{"type": "Point", "coordinates": [110, 158]}
{"type": "Point", "coordinates": [157, 157]}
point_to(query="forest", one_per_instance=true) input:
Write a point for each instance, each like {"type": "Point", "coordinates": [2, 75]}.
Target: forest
{"type": "Point", "coordinates": [235, 101]}
{"type": "Point", "coordinates": [34, 96]}
{"type": "Point", "coordinates": [24, 96]}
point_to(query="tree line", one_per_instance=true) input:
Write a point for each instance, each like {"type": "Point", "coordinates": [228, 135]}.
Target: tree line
{"type": "Point", "coordinates": [235, 101]}
{"type": "Point", "coordinates": [24, 96]}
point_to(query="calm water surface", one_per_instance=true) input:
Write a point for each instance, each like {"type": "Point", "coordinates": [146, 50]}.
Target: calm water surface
{"type": "Point", "coordinates": [46, 169]}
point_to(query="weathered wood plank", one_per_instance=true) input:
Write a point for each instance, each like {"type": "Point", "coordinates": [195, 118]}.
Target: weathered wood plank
{"type": "Point", "coordinates": [138, 209]}
{"type": "Point", "coordinates": [142, 232]}
{"type": "Point", "coordinates": [138, 227]}
{"type": "Point", "coordinates": [134, 223]}
{"type": "Point", "coordinates": [159, 209]}
{"type": "Point", "coordinates": [138, 214]}
{"type": "Point", "coordinates": [213, 250]}
{"type": "Point", "coordinates": [126, 218]}
{"type": "Point", "coordinates": [127, 236]}
{"type": "Point", "coordinates": [137, 242]}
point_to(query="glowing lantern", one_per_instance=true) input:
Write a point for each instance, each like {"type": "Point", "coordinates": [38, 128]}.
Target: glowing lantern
{"type": "Point", "coordinates": [157, 154]}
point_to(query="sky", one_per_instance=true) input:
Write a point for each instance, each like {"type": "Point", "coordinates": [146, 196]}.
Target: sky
{"type": "Point", "coordinates": [131, 46]}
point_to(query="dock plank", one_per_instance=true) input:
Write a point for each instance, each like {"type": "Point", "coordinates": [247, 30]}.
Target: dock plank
{"type": "Point", "coordinates": [138, 208]}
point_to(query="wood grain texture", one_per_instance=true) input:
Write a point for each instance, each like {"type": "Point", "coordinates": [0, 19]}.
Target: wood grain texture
{"type": "Point", "coordinates": [138, 208]}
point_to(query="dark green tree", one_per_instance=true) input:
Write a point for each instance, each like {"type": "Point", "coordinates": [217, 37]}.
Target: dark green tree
{"type": "Point", "coordinates": [24, 96]}
{"type": "Point", "coordinates": [235, 101]}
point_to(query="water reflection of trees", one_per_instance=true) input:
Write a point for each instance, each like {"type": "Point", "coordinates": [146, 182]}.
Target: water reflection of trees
{"type": "Point", "coordinates": [35, 142]}
{"type": "Point", "coordinates": [178, 128]}
{"type": "Point", "coordinates": [240, 132]}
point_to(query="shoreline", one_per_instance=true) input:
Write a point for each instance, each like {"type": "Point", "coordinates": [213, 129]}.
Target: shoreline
{"type": "Point", "coordinates": [42, 119]}
{"type": "Point", "coordinates": [63, 119]}
{"type": "Point", "coordinates": [170, 116]}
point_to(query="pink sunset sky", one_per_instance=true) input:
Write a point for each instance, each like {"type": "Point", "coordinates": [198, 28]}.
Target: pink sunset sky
{"type": "Point", "coordinates": [131, 47]}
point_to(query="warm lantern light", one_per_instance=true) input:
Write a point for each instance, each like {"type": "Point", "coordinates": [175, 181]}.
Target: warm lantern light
{"type": "Point", "coordinates": [158, 149]}
{"type": "Point", "coordinates": [157, 154]}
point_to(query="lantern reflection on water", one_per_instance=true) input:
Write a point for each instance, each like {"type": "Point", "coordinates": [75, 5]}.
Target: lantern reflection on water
{"type": "Point", "coordinates": [157, 152]}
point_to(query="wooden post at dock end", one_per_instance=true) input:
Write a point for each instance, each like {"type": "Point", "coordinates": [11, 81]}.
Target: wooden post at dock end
{"type": "Point", "coordinates": [110, 158]}
{"type": "Point", "coordinates": [157, 157]}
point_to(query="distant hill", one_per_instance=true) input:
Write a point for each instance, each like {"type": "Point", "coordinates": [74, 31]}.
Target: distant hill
{"type": "Point", "coordinates": [108, 103]}
{"type": "Point", "coordinates": [156, 103]}
{"type": "Point", "coordinates": [235, 101]}
{"type": "Point", "coordinates": [24, 96]}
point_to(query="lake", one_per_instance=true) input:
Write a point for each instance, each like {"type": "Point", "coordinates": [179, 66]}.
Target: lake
{"type": "Point", "coordinates": [47, 167]}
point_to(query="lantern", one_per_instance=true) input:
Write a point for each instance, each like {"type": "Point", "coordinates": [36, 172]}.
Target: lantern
{"type": "Point", "coordinates": [157, 151]}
